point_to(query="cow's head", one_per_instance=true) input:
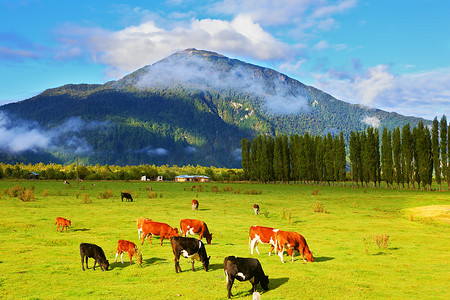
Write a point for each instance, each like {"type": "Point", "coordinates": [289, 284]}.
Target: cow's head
{"type": "Point", "coordinates": [105, 264]}
{"type": "Point", "coordinates": [175, 232]}
{"type": "Point", "coordinates": [205, 263]}
{"type": "Point", "coordinates": [264, 282]}
{"type": "Point", "coordinates": [70, 222]}
{"type": "Point", "coordinates": [208, 238]}
{"type": "Point", "coordinates": [309, 256]}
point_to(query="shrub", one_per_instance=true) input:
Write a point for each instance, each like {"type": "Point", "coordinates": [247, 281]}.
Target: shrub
{"type": "Point", "coordinates": [105, 194]}
{"type": "Point", "coordinates": [15, 191]}
{"type": "Point", "coordinates": [252, 192]}
{"type": "Point", "coordinates": [86, 199]}
{"type": "Point", "coordinates": [136, 194]}
{"type": "Point", "coordinates": [152, 195]}
{"type": "Point", "coordinates": [382, 240]}
{"type": "Point", "coordinates": [27, 196]}
{"type": "Point", "coordinates": [318, 207]}
{"type": "Point", "coordinates": [214, 189]}
{"type": "Point", "coordinates": [45, 193]}
{"type": "Point", "coordinates": [266, 214]}
{"type": "Point", "coordinates": [315, 192]}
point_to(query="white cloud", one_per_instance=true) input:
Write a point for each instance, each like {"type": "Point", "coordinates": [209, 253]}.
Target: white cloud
{"type": "Point", "coordinates": [371, 121]}
{"type": "Point", "coordinates": [421, 94]}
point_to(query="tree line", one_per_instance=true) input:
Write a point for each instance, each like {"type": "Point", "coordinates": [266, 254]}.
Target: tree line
{"type": "Point", "coordinates": [406, 156]}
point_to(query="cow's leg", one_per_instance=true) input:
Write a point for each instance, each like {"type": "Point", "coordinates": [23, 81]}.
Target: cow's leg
{"type": "Point", "coordinates": [271, 249]}
{"type": "Point", "coordinates": [280, 254]}
{"type": "Point", "coordinates": [82, 262]}
{"type": "Point", "coordinates": [129, 254]}
{"type": "Point", "coordinates": [302, 252]}
{"type": "Point", "coordinates": [177, 263]}
{"type": "Point", "coordinates": [291, 253]}
{"type": "Point", "coordinates": [117, 254]}
{"type": "Point", "coordinates": [66, 228]}
{"type": "Point", "coordinates": [121, 257]}
{"type": "Point", "coordinates": [95, 261]}
{"type": "Point", "coordinates": [149, 238]}
{"type": "Point", "coordinates": [254, 245]}
{"type": "Point", "coordinates": [192, 262]}
{"type": "Point", "coordinates": [230, 281]}
{"type": "Point", "coordinates": [87, 262]}
{"type": "Point", "coordinates": [254, 282]}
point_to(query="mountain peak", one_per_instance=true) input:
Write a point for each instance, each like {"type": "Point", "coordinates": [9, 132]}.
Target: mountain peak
{"type": "Point", "coordinates": [205, 53]}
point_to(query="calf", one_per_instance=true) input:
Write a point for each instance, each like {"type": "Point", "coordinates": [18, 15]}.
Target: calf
{"type": "Point", "coordinates": [256, 209]}
{"type": "Point", "coordinates": [243, 269]}
{"type": "Point", "coordinates": [293, 241]}
{"type": "Point", "coordinates": [127, 196]}
{"type": "Point", "coordinates": [131, 248]}
{"type": "Point", "coordinates": [194, 204]}
{"type": "Point", "coordinates": [189, 248]}
{"type": "Point", "coordinates": [263, 235]}
{"type": "Point", "coordinates": [95, 252]}
{"type": "Point", "coordinates": [63, 223]}
{"type": "Point", "coordinates": [190, 226]}
{"type": "Point", "coordinates": [150, 228]}
{"type": "Point", "coordinates": [139, 223]}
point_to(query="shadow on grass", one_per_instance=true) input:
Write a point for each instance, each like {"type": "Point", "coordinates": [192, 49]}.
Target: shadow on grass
{"type": "Point", "coordinates": [126, 263]}
{"type": "Point", "coordinates": [322, 258]}
{"type": "Point", "coordinates": [81, 229]}
{"type": "Point", "coordinates": [275, 283]}
{"type": "Point", "coordinates": [213, 267]}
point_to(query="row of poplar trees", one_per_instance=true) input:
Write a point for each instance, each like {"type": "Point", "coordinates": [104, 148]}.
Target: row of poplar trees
{"type": "Point", "coordinates": [405, 156]}
{"type": "Point", "coordinates": [295, 158]}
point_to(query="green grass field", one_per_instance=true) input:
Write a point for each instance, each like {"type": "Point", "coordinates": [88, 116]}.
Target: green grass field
{"type": "Point", "coordinates": [38, 262]}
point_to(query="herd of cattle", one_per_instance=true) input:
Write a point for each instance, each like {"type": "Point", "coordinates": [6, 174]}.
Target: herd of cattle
{"type": "Point", "coordinates": [239, 268]}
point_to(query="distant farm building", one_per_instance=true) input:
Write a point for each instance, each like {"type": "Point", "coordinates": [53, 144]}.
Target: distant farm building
{"type": "Point", "coordinates": [197, 178]}
{"type": "Point", "coordinates": [32, 175]}
{"type": "Point", "coordinates": [151, 178]}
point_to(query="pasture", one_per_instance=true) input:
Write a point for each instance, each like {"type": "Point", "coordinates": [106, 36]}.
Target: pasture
{"type": "Point", "coordinates": [38, 262]}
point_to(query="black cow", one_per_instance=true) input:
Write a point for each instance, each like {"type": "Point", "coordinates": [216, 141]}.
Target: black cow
{"type": "Point", "coordinates": [243, 269]}
{"type": "Point", "coordinates": [95, 252]}
{"type": "Point", "coordinates": [127, 196]}
{"type": "Point", "coordinates": [189, 248]}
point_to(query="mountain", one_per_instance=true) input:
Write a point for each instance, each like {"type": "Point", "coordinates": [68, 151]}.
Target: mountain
{"type": "Point", "coordinates": [192, 107]}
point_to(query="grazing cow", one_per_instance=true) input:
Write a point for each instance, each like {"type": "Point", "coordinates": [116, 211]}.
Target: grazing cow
{"type": "Point", "coordinates": [293, 241]}
{"type": "Point", "coordinates": [156, 228]}
{"type": "Point", "coordinates": [139, 223]}
{"type": "Point", "coordinates": [131, 248]}
{"type": "Point", "coordinates": [63, 223]}
{"type": "Point", "coordinates": [256, 209]}
{"type": "Point", "coordinates": [243, 269]}
{"type": "Point", "coordinates": [194, 204]}
{"type": "Point", "coordinates": [66, 182]}
{"type": "Point", "coordinates": [95, 252]}
{"type": "Point", "coordinates": [189, 248]}
{"type": "Point", "coordinates": [127, 196]}
{"type": "Point", "coordinates": [192, 227]}
{"type": "Point", "coordinates": [263, 235]}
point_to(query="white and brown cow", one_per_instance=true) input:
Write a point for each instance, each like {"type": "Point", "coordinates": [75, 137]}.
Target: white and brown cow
{"type": "Point", "coordinates": [256, 208]}
{"type": "Point", "coordinates": [194, 204]}
{"type": "Point", "coordinates": [139, 223]}
{"type": "Point", "coordinates": [130, 248]}
{"type": "Point", "coordinates": [293, 241]}
{"type": "Point", "coordinates": [263, 235]}
{"type": "Point", "coordinates": [192, 227]}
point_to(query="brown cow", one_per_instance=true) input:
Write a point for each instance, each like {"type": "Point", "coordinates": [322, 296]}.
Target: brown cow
{"type": "Point", "coordinates": [256, 209]}
{"type": "Point", "coordinates": [157, 228]}
{"type": "Point", "coordinates": [194, 204]}
{"type": "Point", "coordinates": [293, 241]}
{"type": "Point", "coordinates": [139, 223]}
{"type": "Point", "coordinates": [131, 248]}
{"type": "Point", "coordinates": [263, 235]}
{"type": "Point", "coordinates": [192, 227]}
{"type": "Point", "coordinates": [63, 223]}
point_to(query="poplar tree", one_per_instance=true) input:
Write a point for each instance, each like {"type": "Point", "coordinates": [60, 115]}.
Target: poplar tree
{"type": "Point", "coordinates": [245, 154]}
{"type": "Point", "coordinates": [397, 157]}
{"type": "Point", "coordinates": [286, 159]}
{"type": "Point", "coordinates": [329, 158]}
{"type": "Point", "coordinates": [407, 154]}
{"type": "Point", "coordinates": [444, 152]}
{"type": "Point", "coordinates": [278, 158]}
{"type": "Point", "coordinates": [435, 151]}
{"type": "Point", "coordinates": [310, 154]}
{"type": "Point", "coordinates": [341, 159]}
{"type": "Point", "coordinates": [355, 153]}
{"type": "Point", "coordinates": [386, 157]}
{"type": "Point", "coordinates": [254, 167]}
{"type": "Point", "coordinates": [319, 158]}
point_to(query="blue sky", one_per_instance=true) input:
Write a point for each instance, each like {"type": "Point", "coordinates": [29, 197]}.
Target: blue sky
{"type": "Point", "coordinates": [391, 55]}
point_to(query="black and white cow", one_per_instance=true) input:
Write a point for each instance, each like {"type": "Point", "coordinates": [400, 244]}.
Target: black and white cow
{"type": "Point", "coordinates": [95, 252]}
{"type": "Point", "coordinates": [243, 269]}
{"type": "Point", "coordinates": [127, 196]}
{"type": "Point", "coordinates": [189, 248]}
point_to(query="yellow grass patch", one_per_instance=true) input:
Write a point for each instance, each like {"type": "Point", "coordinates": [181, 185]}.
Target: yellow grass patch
{"type": "Point", "coordinates": [435, 212]}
